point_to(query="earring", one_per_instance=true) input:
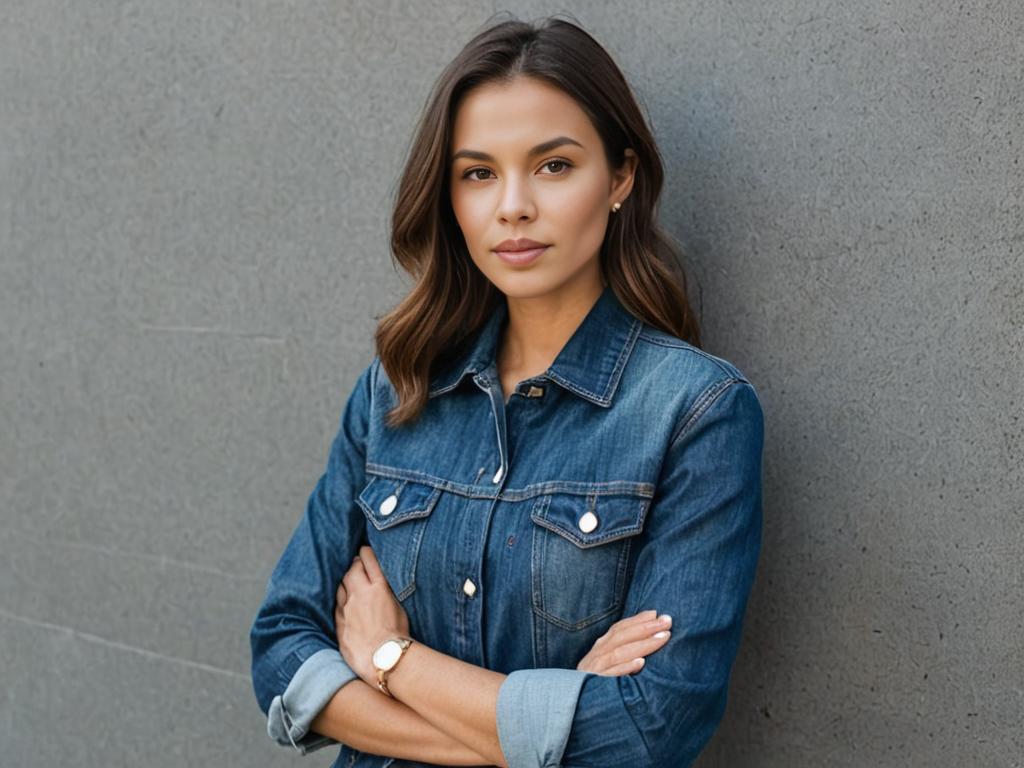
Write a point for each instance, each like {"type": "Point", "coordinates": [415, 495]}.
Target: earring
{"type": "Point", "coordinates": [615, 208]}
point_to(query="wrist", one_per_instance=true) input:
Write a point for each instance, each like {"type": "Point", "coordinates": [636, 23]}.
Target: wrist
{"type": "Point", "coordinates": [386, 658]}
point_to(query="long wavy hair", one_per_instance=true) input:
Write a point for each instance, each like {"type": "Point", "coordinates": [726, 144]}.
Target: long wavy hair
{"type": "Point", "coordinates": [450, 298]}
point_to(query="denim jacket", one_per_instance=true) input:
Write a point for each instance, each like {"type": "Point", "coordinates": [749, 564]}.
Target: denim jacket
{"type": "Point", "coordinates": [626, 477]}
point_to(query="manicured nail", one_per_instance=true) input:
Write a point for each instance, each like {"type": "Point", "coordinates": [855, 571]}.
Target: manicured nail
{"type": "Point", "coordinates": [638, 662]}
{"type": "Point", "coordinates": [665, 619]}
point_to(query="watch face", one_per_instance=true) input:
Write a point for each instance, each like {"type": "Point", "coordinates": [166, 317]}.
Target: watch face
{"type": "Point", "coordinates": [387, 654]}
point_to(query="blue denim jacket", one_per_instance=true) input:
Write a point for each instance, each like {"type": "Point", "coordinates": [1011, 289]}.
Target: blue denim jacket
{"type": "Point", "coordinates": [626, 477]}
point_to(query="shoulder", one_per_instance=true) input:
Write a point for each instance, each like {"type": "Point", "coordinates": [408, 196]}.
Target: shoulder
{"type": "Point", "coordinates": [678, 354]}
{"type": "Point", "coordinates": [658, 351]}
{"type": "Point", "coordinates": [369, 377]}
{"type": "Point", "coordinates": [681, 379]}
{"type": "Point", "coordinates": [365, 390]}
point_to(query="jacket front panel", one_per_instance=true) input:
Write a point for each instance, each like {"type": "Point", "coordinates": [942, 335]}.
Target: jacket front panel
{"type": "Point", "coordinates": [511, 530]}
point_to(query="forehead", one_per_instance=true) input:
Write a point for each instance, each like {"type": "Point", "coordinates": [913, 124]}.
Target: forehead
{"type": "Point", "coordinates": [515, 116]}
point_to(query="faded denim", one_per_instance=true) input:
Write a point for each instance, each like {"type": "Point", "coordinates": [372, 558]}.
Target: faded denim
{"type": "Point", "coordinates": [625, 477]}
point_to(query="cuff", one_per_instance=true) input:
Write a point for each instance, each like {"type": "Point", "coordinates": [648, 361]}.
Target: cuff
{"type": "Point", "coordinates": [313, 685]}
{"type": "Point", "coordinates": [535, 713]}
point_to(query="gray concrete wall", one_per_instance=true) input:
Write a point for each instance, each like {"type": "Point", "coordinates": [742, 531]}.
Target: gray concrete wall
{"type": "Point", "coordinates": [193, 245]}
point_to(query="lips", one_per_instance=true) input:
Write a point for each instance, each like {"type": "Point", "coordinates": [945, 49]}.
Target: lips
{"type": "Point", "coordinates": [521, 258]}
{"type": "Point", "coordinates": [519, 252]}
{"type": "Point", "coordinates": [520, 244]}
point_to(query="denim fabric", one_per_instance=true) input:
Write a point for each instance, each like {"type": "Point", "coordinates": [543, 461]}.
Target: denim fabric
{"type": "Point", "coordinates": [626, 477]}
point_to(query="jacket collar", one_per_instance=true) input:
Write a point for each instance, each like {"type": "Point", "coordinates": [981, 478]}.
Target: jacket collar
{"type": "Point", "coordinates": [589, 365]}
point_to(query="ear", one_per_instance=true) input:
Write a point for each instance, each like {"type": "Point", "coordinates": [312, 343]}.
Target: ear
{"type": "Point", "coordinates": [622, 178]}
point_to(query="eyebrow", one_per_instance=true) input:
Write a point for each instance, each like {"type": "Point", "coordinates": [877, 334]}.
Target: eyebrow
{"type": "Point", "coordinates": [545, 146]}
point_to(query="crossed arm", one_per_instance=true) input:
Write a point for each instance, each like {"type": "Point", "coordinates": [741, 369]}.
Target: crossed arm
{"type": "Point", "coordinates": [444, 712]}
{"type": "Point", "coordinates": [432, 719]}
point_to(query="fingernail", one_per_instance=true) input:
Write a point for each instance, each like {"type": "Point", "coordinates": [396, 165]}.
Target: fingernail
{"type": "Point", "coordinates": [639, 662]}
{"type": "Point", "coordinates": [663, 633]}
{"type": "Point", "coordinates": [665, 619]}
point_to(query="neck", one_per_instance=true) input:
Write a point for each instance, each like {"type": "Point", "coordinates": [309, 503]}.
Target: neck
{"type": "Point", "coordinates": [538, 328]}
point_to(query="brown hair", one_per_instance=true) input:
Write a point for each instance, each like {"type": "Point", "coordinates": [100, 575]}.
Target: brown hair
{"type": "Point", "coordinates": [451, 298]}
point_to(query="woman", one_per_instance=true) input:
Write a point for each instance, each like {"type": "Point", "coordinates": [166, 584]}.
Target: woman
{"type": "Point", "coordinates": [537, 463]}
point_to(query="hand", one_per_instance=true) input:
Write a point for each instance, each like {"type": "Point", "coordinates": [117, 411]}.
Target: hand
{"type": "Point", "coordinates": [366, 613]}
{"type": "Point", "coordinates": [616, 651]}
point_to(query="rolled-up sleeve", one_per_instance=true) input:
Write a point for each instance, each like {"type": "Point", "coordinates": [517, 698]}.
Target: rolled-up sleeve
{"type": "Point", "coordinates": [313, 685]}
{"type": "Point", "coordinates": [697, 562]}
{"type": "Point", "coordinates": [535, 712]}
{"type": "Point", "coordinates": [296, 666]}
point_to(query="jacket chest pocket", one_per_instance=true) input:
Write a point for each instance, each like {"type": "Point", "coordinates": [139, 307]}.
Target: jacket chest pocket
{"type": "Point", "coordinates": [398, 511]}
{"type": "Point", "coordinates": [581, 546]}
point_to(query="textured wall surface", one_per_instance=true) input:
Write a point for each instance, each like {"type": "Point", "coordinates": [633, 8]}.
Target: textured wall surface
{"type": "Point", "coordinates": [194, 200]}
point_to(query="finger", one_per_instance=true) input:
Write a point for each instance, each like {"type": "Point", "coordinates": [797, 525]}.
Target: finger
{"type": "Point", "coordinates": [370, 564]}
{"type": "Point", "coordinates": [635, 630]}
{"type": "Point", "coordinates": [356, 575]}
{"type": "Point", "coordinates": [623, 625]}
{"type": "Point", "coordinates": [637, 618]}
{"type": "Point", "coordinates": [626, 668]}
{"type": "Point", "coordinates": [645, 647]}
{"type": "Point", "coordinates": [340, 594]}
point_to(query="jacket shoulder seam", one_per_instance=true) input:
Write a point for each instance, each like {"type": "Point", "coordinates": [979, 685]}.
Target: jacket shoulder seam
{"type": "Point", "coordinates": [676, 343]}
{"type": "Point", "coordinates": [701, 404]}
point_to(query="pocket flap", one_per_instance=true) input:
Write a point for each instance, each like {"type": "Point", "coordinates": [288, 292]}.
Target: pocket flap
{"type": "Point", "coordinates": [388, 501]}
{"type": "Point", "coordinates": [591, 519]}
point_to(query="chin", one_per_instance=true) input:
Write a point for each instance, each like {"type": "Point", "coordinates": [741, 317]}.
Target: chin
{"type": "Point", "coordinates": [524, 285]}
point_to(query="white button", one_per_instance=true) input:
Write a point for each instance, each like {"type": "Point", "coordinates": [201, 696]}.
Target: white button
{"type": "Point", "coordinates": [497, 476]}
{"type": "Point", "coordinates": [535, 391]}
{"type": "Point", "coordinates": [588, 522]}
{"type": "Point", "coordinates": [388, 505]}
{"type": "Point", "coordinates": [469, 587]}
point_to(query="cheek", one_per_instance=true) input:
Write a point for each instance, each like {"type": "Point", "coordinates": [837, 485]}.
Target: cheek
{"type": "Point", "coordinates": [473, 218]}
{"type": "Point", "coordinates": [470, 215]}
{"type": "Point", "coordinates": [585, 221]}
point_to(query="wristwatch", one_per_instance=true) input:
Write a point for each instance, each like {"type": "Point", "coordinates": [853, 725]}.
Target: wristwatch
{"type": "Point", "coordinates": [386, 657]}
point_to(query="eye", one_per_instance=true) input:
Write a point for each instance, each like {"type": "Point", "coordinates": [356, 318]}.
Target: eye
{"type": "Point", "coordinates": [566, 163]}
{"type": "Point", "coordinates": [469, 174]}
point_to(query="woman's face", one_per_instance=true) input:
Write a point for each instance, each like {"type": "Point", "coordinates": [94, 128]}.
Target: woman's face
{"type": "Point", "coordinates": [526, 162]}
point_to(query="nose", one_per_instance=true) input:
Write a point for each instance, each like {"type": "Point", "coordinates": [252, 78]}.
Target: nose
{"type": "Point", "coordinates": [516, 201]}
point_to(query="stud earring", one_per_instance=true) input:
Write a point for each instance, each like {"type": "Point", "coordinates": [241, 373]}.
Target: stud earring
{"type": "Point", "coordinates": [615, 208]}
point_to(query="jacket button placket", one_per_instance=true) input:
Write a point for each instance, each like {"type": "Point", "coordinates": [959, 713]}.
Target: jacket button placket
{"type": "Point", "coordinates": [469, 629]}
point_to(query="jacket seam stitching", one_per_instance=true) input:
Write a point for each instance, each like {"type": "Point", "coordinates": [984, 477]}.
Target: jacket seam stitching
{"type": "Point", "coordinates": [705, 401]}
{"type": "Point", "coordinates": [695, 350]}
{"type": "Point", "coordinates": [601, 488]}
{"type": "Point", "coordinates": [620, 363]}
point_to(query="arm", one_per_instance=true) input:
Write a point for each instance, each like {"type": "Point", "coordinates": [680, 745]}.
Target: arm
{"type": "Point", "coordinates": [296, 666]}
{"type": "Point", "coordinates": [701, 545]}
{"type": "Point", "coordinates": [366, 719]}
{"type": "Point", "coordinates": [456, 697]}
